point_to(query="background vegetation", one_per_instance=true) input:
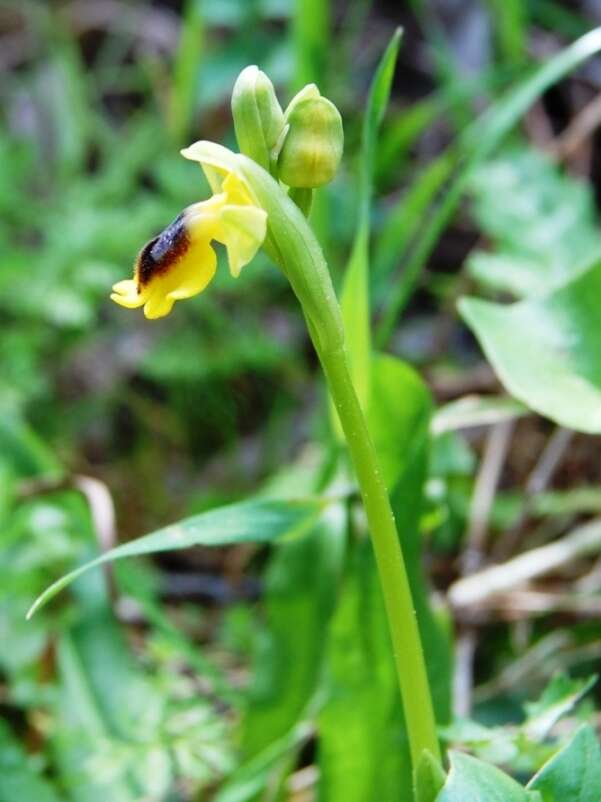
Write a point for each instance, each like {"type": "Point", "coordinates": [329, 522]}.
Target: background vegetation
{"type": "Point", "coordinates": [256, 671]}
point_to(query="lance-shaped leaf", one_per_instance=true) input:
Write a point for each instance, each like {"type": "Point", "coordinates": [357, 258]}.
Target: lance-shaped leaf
{"type": "Point", "coordinates": [355, 292]}
{"type": "Point", "coordinates": [257, 520]}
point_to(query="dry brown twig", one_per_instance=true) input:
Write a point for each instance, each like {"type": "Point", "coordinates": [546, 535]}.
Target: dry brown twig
{"type": "Point", "coordinates": [495, 453]}
{"type": "Point", "coordinates": [479, 588]}
{"type": "Point", "coordinates": [539, 479]}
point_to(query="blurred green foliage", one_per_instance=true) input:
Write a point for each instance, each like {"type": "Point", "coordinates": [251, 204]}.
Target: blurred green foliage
{"type": "Point", "coordinates": [166, 680]}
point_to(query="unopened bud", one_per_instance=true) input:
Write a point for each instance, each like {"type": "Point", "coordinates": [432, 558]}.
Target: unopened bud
{"type": "Point", "coordinates": [313, 141]}
{"type": "Point", "coordinates": [270, 111]}
{"type": "Point", "coordinates": [258, 117]}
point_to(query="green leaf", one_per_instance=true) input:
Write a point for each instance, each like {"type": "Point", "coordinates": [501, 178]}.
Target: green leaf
{"type": "Point", "coordinates": [476, 145]}
{"type": "Point", "coordinates": [574, 773]}
{"type": "Point", "coordinates": [510, 29]}
{"type": "Point", "coordinates": [253, 777]}
{"type": "Point", "coordinates": [429, 778]}
{"type": "Point", "coordinates": [379, 94]}
{"type": "Point", "coordinates": [19, 780]}
{"type": "Point", "coordinates": [541, 223]}
{"type": "Point", "coordinates": [558, 698]}
{"type": "Point", "coordinates": [105, 711]}
{"type": "Point", "coordinates": [560, 17]}
{"type": "Point", "coordinates": [354, 303]}
{"type": "Point", "coordinates": [497, 745]}
{"type": "Point", "coordinates": [583, 500]}
{"type": "Point", "coordinates": [406, 217]}
{"type": "Point", "coordinates": [310, 28]}
{"type": "Point", "coordinates": [355, 292]}
{"type": "Point", "coordinates": [362, 748]}
{"type": "Point", "coordinates": [134, 582]}
{"type": "Point", "coordinates": [398, 416]}
{"type": "Point", "coordinates": [23, 450]}
{"type": "Point", "coordinates": [547, 352]}
{"type": "Point", "coordinates": [471, 780]}
{"type": "Point", "coordinates": [119, 730]}
{"type": "Point", "coordinates": [257, 520]}
{"type": "Point", "coordinates": [66, 94]}
{"type": "Point", "coordinates": [301, 588]}
{"type": "Point", "coordinates": [188, 58]}
{"type": "Point", "coordinates": [399, 421]}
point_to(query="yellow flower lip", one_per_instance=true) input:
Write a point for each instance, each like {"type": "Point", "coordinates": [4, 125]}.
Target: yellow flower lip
{"type": "Point", "coordinates": [180, 262]}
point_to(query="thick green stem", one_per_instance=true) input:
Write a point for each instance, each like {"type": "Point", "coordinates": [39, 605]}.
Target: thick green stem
{"type": "Point", "coordinates": [294, 247]}
{"type": "Point", "coordinates": [406, 642]}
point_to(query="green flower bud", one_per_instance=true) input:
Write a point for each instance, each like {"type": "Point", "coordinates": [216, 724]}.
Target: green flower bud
{"type": "Point", "coordinates": [258, 117]}
{"type": "Point", "coordinates": [313, 140]}
{"type": "Point", "coordinates": [308, 92]}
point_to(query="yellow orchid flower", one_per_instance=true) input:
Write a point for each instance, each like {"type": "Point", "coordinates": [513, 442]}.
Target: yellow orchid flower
{"type": "Point", "coordinates": [181, 261]}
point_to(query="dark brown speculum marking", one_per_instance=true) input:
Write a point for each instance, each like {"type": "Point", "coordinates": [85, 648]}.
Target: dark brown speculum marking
{"type": "Point", "coordinates": [158, 255]}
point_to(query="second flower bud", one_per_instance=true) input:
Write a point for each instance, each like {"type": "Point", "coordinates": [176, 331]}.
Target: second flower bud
{"type": "Point", "coordinates": [313, 140]}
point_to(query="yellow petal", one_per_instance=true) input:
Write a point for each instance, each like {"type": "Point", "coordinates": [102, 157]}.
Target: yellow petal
{"type": "Point", "coordinates": [242, 230]}
{"type": "Point", "coordinates": [218, 163]}
{"type": "Point", "coordinates": [125, 293]}
{"type": "Point", "coordinates": [202, 218]}
{"type": "Point", "coordinates": [215, 169]}
{"type": "Point", "coordinates": [237, 191]}
{"type": "Point", "coordinates": [205, 152]}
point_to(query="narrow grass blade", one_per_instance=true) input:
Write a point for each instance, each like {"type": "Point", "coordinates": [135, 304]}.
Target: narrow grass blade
{"type": "Point", "coordinates": [186, 70]}
{"type": "Point", "coordinates": [355, 293]}
{"type": "Point", "coordinates": [406, 217]}
{"type": "Point", "coordinates": [256, 520]}
{"type": "Point", "coordinates": [310, 27]}
{"type": "Point", "coordinates": [510, 18]}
